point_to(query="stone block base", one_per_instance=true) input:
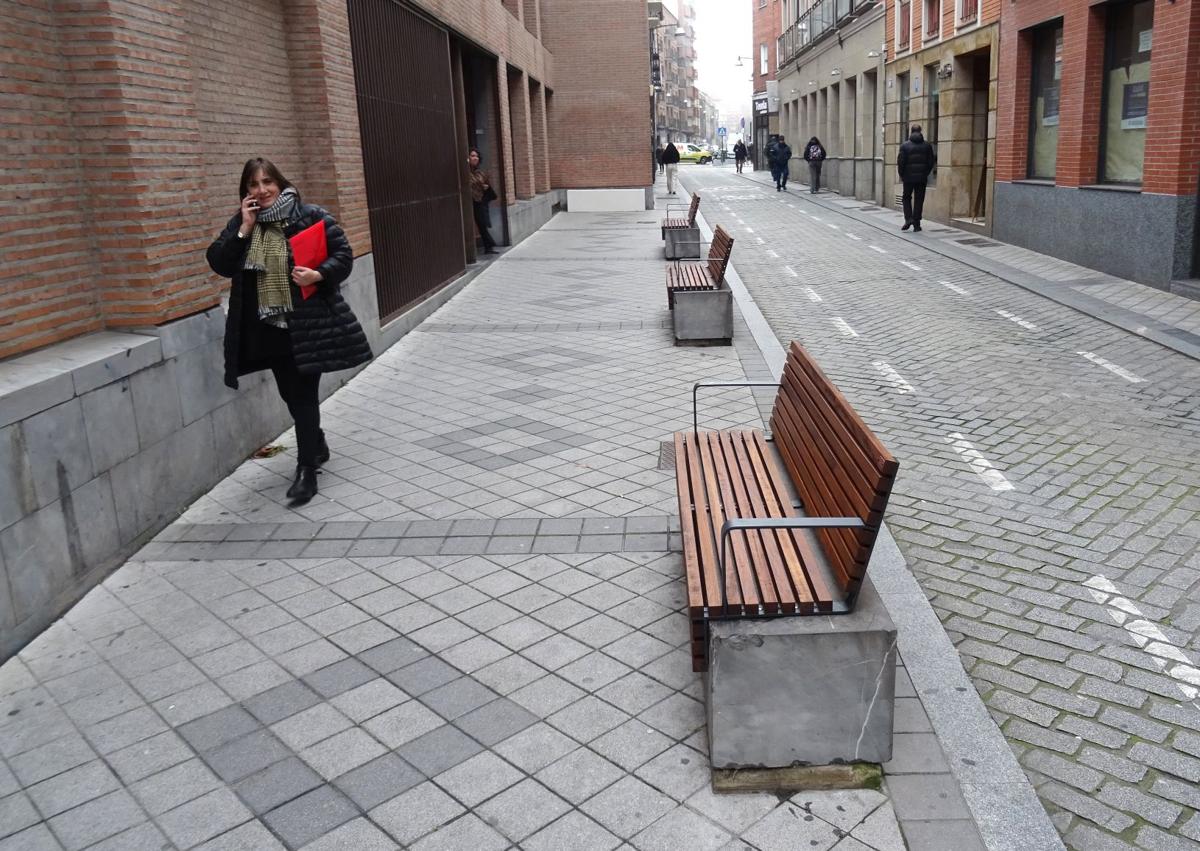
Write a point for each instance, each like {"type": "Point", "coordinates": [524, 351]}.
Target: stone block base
{"type": "Point", "coordinates": [802, 690]}
{"type": "Point", "coordinates": [703, 317]}
{"type": "Point", "coordinates": [681, 243]}
{"type": "Point", "coordinates": [606, 200]}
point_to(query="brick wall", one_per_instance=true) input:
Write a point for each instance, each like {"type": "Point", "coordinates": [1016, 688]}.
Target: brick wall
{"type": "Point", "coordinates": [768, 26]}
{"type": "Point", "coordinates": [598, 126]}
{"type": "Point", "coordinates": [1172, 154]}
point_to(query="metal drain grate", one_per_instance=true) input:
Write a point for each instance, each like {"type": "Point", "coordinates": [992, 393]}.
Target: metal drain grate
{"type": "Point", "coordinates": [666, 455]}
{"type": "Point", "coordinates": [978, 242]}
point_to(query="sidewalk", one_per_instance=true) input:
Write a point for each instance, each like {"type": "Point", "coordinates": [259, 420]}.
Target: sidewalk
{"type": "Point", "coordinates": [473, 637]}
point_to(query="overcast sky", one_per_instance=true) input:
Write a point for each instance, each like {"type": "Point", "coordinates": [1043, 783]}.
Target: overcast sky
{"type": "Point", "coordinates": [723, 32]}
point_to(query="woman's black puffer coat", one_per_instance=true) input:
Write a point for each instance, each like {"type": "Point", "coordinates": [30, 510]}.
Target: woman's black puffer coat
{"type": "Point", "coordinates": [325, 335]}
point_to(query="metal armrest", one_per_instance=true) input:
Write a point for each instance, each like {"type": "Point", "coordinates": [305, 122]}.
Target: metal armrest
{"type": "Point", "coordinates": [696, 387]}
{"type": "Point", "coordinates": [748, 524]}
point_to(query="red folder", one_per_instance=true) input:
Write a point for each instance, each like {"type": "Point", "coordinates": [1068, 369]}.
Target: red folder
{"type": "Point", "coordinates": [310, 251]}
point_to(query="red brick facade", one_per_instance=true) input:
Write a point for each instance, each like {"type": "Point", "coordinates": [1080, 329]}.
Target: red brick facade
{"type": "Point", "coordinates": [126, 123]}
{"type": "Point", "coordinates": [1172, 153]}
{"type": "Point", "coordinates": [768, 26]}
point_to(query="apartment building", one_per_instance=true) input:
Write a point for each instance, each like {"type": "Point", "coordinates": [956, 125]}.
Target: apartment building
{"type": "Point", "coordinates": [768, 26]}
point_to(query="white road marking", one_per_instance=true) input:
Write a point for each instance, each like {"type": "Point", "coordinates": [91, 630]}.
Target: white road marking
{"type": "Point", "coordinates": [1024, 323]}
{"type": "Point", "coordinates": [954, 288]}
{"type": "Point", "coordinates": [844, 326]}
{"type": "Point", "coordinates": [982, 466]}
{"type": "Point", "coordinates": [771, 251]}
{"type": "Point", "coordinates": [790, 271]}
{"type": "Point", "coordinates": [852, 236]}
{"type": "Point", "coordinates": [832, 225]}
{"type": "Point", "coordinates": [912, 266]}
{"type": "Point", "coordinates": [1161, 650]}
{"type": "Point", "coordinates": [893, 377]}
{"type": "Point", "coordinates": [876, 248]}
{"type": "Point", "coordinates": [812, 294]}
{"type": "Point", "coordinates": [793, 206]}
{"type": "Point", "coordinates": [761, 241]}
{"type": "Point", "coordinates": [1132, 378]}
{"type": "Point", "coordinates": [749, 230]}
{"type": "Point", "coordinates": [815, 218]}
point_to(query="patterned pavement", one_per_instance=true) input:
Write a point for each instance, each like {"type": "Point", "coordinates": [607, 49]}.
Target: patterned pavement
{"type": "Point", "coordinates": [1048, 496]}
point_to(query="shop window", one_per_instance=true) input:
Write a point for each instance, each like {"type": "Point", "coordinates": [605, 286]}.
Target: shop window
{"type": "Point", "coordinates": [903, 24]}
{"type": "Point", "coordinates": [1043, 101]}
{"type": "Point", "coordinates": [903, 84]}
{"type": "Point", "coordinates": [932, 12]}
{"type": "Point", "coordinates": [1126, 92]}
{"type": "Point", "coordinates": [932, 114]}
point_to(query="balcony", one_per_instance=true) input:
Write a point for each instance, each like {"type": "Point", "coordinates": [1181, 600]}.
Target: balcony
{"type": "Point", "coordinates": [818, 21]}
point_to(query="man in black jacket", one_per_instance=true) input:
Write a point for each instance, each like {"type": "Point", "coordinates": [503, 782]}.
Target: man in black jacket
{"type": "Point", "coordinates": [783, 158]}
{"type": "Point", "coordinates": [670, 158]}
{"type": "Point", "coordinates": [914, 163]}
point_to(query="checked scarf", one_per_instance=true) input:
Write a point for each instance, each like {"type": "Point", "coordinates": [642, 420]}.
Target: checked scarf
{"type": "Point", "coordinates": [268, 256]}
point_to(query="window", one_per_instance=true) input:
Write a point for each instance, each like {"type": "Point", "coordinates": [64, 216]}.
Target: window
{"type": "Point", "coordinates": [931, 12]}
{"type": "Point", "coordinates": [762, 58]}
{"type": "Point", "coordinates": [1043, 101]}
{"type": "Point", "coordinates": [968, 13]}
{"type": "Point", "coordinates": [903, 84]}
{"type": "Point", "coordinates": [903, 24]}
{"type": "Point", "coordinates": [932, 113]}
{"type": "Point", "coordinates": [1126, 92]}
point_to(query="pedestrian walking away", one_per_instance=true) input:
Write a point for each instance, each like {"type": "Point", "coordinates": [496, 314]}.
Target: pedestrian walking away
{"type": "Point", "coordinates": [658, 152]}
{"type": "Point", "coordinates": [814, 155]}
{"type": "Point", "coordinates": [670, 160]}
{"type": "Point", "coordinates": [482, 195]}
{"type": "Point", "coordinates": [783, 159]}
{"type": "Point", "coordinates": [914, 164]}
{"type": "Point", "coordinates": [770, 154]}
{"type": "Point", "coordinates": [286, 261]}
{"type": "Point", "coordinates": [739, 155]}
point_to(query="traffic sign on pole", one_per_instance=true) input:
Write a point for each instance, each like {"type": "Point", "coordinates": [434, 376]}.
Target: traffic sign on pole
{"type": "Point", "coordinates": [720, 131]}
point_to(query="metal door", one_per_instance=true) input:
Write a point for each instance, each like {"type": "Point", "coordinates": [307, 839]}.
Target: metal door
{"type": "Point", "coordinates": [402, 78]}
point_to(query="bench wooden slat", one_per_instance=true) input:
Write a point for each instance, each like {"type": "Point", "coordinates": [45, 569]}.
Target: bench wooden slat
{"type": "Point", "coordinates": [705, 535]}
{"type": "Point", "coordinates": [692, 544]}
{"type": "Point", "coordinates": [726, 599]}
{"type": "Point", "coordinates": [775, 592]}
{"type": "Point", "coordinates": [755, 592]}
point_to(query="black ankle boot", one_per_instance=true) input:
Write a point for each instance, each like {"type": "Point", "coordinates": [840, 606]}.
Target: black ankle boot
{"type": "Point", "coordinates": [304, 487]}
{"type": "Point", "coordinates": [322, 450]}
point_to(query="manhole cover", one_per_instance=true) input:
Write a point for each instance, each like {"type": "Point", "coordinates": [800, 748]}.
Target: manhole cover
{"type": "Point", "coordinates": [666, 455]}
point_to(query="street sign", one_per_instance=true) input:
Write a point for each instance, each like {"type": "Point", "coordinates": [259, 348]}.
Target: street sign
{"type": "Point", "coordinates": [720, 131]}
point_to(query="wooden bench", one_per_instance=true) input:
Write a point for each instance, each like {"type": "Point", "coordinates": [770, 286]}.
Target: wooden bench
{"type": "Point", "coordinates": [748, 551]}
{"type": "Point", "coordinates": [690, 222]}
{"type": "Point", "coordinates": [707, 274]}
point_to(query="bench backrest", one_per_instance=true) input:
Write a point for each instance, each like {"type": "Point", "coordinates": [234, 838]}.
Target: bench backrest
{"type": "Point", "coordinates": [839, 467]}
{"type": "Point", "coordinates": [693, 208]}
{"type": "Point", "coordinates": [718, 254]}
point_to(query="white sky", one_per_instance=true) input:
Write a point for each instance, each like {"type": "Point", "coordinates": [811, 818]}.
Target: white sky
{"type": "Point", "coordinates": [724, 30]}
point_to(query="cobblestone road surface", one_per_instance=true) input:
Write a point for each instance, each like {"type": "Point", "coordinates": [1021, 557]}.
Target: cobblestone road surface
{"type": "Point", "coordinates": [1047, 500]}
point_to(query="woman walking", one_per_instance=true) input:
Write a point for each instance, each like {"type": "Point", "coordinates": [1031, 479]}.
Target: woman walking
{"type": "Point", "coordinates": [286, 316]}
{"type": "Point", "coordinates": [814, 153]}
{"type": "Point", "coordinates": [482, 194]}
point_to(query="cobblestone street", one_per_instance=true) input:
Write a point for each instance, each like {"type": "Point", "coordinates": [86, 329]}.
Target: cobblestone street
{"type": "Point", "coordinates": [1049, 486]}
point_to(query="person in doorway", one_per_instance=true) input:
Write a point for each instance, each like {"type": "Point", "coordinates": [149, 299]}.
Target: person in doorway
{"type": "Point", "coordinates": [285, 317]}
{"type": "Point", "coordinates": [670, 160]}
{"type": "Point", "coordinates": [814, 155]}
{"type": "Point", "coordinates": [914, 164]}
{"type": "Point", "coordinates": [783, 159]}
{"type": "Point", "coordinates": [482, 195]}
{"type": "Point", "coordinates": [739, 155]}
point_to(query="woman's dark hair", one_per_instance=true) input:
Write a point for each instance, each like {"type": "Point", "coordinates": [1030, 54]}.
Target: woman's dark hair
{"type": "Point", "coordinates": [253, 166]}
{"type": "Point", "coordinates": [476, 152]}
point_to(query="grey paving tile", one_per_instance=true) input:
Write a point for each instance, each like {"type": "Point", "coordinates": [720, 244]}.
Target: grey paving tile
{"type": "Point", "coordinates": [36, 838]}
{"type": "Point", "coordinates": [926, 797]}
{"type": "Point", "coordinates": [523, 809]}
{"type": "Point", "coordinates": [203, 818]}
{"type": "Point", "coordinates": [97, 820]}
{"type": "Point", "coordinates": [424, 676]}
{"type": "Point", "coordinates": [413, 814]}
{"type": "Point", "coordinates": [149, 756]}
{"type": "Point", "coordinates": [51, 758]}
{"type": "Point", "coordinates": [788, 827]}
{"type": "Point", "coordinates": [458, 697]}
{"type": "Point", "coordinates": [439, 750]}
{"type": "Point", "coordinates": [281, 702]}
{"type": "Point", "coordinates": [277, 784]}
{"type": "Point", "coordinates": [627, 807]}
{"type": "Point", "coordinates": [402, 724]}
{"type": "Point", "coordinates": [339, 677]}
{"type": "Point", "coordinates": [311, 726]}
{"type": "Point", "coordinates": [961, 835]}
{"type": "Point", "coordinates": [216, 728]}
{"type": "Point", "coordinates": [495, 721]}
{"type": "Point", "coordinates": [478, 778]}
{"type": "Point", "coordinates": [310, 816]}
{"type": "Point", "coordinates": [358, 834]}
{"type": "Point", "coordinates": [73, 787]}
{"type": "Point", "coordinates": [378, 781]}
{"type": "Point", "coordinates": [174, 786]}
{"type": "Point", "coordinates": [579, 775]}
{"type": "Point", "coordinates": [143, 837]}
{"type": "Point", "coordinates": [343, 752]}
{"type": "Point", "coordinates": [681, 828]}
{"type": "Point", "coordinates": [17, 813]}
{"type": "Point", "coordinates": [574, 830]}
{"type": "Point", "coordinates": [245, 756]}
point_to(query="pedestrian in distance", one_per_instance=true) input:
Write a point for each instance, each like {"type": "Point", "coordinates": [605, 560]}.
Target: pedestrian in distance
{"type": "Point", "coordinates": [724, 155]}
{"type": "Point", "coordinates": [670, 160]}
{"type": "Point", "coordinates": [783, 159]}
{"type": "Point", "coordinates": [739, 155]}
{"type": "Point", "coordinates": [914, 163]}
{"type": "Point", "coordinates": [814, 155]}
{"type": "Point", "coordinates": [482, 195]}
{"type": "Point", "coordinates": [770, 152]}
{"type": "Point", "coordinates": [658, 152]}
{"type": "Point", "coordinates": [286, 261]}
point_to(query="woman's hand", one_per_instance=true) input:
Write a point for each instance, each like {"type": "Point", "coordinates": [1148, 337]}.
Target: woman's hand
{"type": "Point", "coordinates": [305, 277]}
{"type": "Point", "coordinates": [249, 214]}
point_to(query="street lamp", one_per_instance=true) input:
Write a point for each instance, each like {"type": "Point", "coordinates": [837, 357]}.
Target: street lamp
{"type": "Point", "coordinates": [739, 63]}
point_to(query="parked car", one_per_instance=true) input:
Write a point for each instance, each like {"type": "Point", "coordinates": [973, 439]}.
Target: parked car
{"type": "Point", "coordinates": [689, 153]}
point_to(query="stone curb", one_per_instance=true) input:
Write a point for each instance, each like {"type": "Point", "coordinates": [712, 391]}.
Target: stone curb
{"type": "Point", "coordinates": [1002, 801]}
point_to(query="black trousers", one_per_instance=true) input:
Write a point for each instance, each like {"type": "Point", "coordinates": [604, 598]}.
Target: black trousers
{"type": "Point", "coordinates": [483, 221]}
{"type": "Point", "coordinates": [300, 393]}
{"type": "Point", "coordinates": [914, 200]}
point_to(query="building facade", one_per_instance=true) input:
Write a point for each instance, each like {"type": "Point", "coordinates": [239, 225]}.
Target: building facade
{"type": "Point", "coordinates": [830, 68]}
{"type": "Point", "coordinates": [943, 61]}
{"type": "Point", "coordinates": [768, 26]}
{"type": "Point", "coordinates": [1098, 158]}
{"type": "Point", "coordinates": [675, 98]}
{"type": "Point", "coordinates": [126, 126]}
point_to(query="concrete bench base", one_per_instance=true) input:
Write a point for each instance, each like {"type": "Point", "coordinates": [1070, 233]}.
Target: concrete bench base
{"type": "Point", "coordinates": [681, 243]}
{"type": "Point", "coordinates": [802, 690]}
{"type": "Point", "coordinates": [703, 317]}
